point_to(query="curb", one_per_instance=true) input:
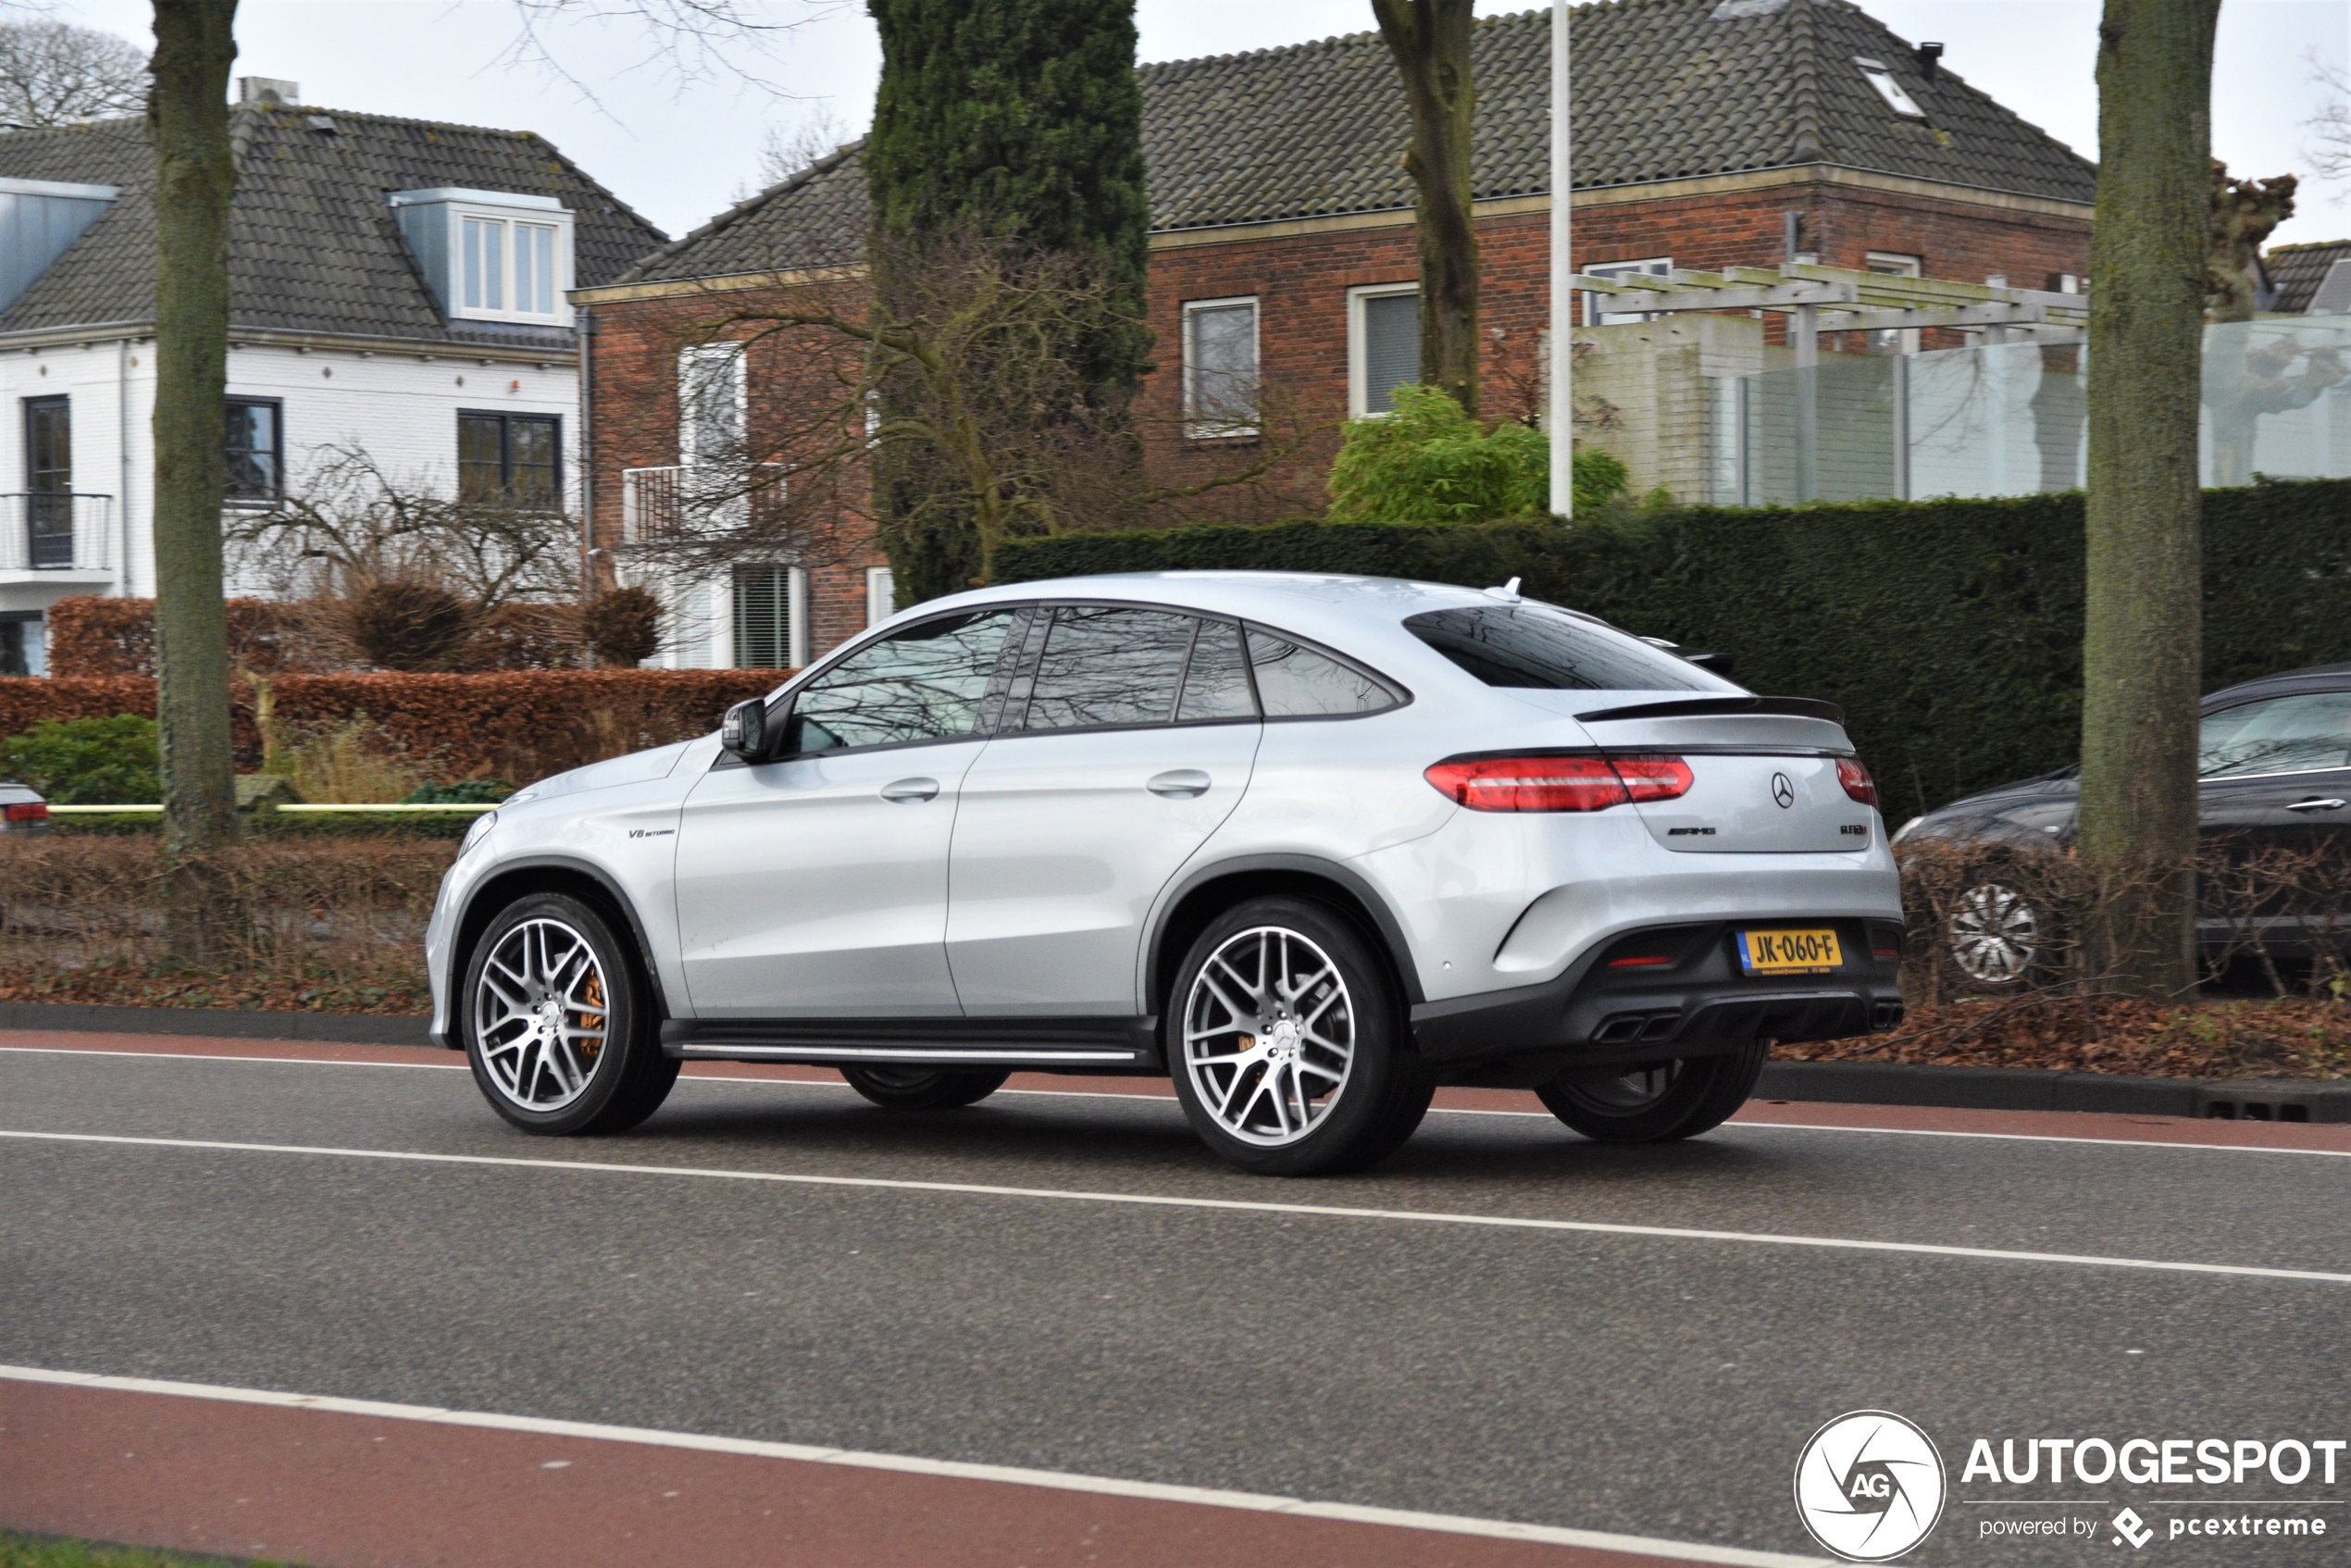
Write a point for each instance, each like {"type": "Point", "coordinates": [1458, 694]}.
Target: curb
{"type": "Point", "coordinates": [221, 1023]}
{"type": "Point", "coordinates": [1836, 1083]}
{"type": "Point", "coordinates": [2044, 1088]}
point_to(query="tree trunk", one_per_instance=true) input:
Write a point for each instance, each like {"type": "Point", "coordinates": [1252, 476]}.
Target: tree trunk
{"type": "Point", "coordinates": [1430, 42]}
{"type": "Point", "coordinates": [195, 175]}
{"type": "Point", "coordinates": [2142, 642]}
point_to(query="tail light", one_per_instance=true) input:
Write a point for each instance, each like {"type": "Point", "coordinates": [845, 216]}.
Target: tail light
{"type": "Point", "coordinates": [1538, 783]}
{"type": "Point", "coordinates": [28, 811]}
{"type": "Point", "coordinates": [1857, 780]}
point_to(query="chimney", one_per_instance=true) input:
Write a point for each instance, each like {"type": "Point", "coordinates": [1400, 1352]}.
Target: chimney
{"type": "Point", "coordinates": [1928, 56]}
{"type": "Point", "coordinates": [268, 89]}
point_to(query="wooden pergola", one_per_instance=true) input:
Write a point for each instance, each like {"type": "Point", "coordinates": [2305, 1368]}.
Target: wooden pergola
{"type": "Point", "coordinates": [1833, 299]}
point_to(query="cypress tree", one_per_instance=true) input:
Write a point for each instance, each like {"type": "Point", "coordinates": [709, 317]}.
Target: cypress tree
{"type": "Point", "coordinates": [1019, 119]}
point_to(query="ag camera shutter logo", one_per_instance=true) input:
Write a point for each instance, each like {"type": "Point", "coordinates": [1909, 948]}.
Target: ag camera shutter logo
{"type": "Point", "coordinates": [1870, 1486]}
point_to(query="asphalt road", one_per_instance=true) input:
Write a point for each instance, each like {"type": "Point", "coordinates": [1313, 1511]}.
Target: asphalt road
{"type": "Point", "coordinates": [1425, 1337]}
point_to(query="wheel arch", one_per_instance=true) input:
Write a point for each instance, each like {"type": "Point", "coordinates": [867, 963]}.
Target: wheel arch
{"type": "Point", "coordinates": [1211, 889]}
{"type": "Point", "coordinates": [551, 874]}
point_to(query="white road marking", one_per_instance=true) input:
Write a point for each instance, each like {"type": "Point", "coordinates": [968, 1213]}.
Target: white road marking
{"type": "Point", "coordinates": [1170, 1099]}
{"type": "Point", "coordinates": [1232, 1205]}
{"type": "Point", "coordinates": [1255, 1503]}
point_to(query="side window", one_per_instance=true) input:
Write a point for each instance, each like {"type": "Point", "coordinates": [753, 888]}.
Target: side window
{"type": "Point", "coordinates": [1216, 685]}
{"type": "Point", "coordinates": [1296, 681]}
{"type": "Point", "coordinates": [2296, 734]}
{"type": "Point", "coordinates": [922, 684]}
{"type": "Point", "coordinates": [1107, 665]}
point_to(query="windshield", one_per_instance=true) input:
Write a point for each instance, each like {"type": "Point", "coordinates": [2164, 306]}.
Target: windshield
{"type": "Point", "coordinates": [1548, 650]}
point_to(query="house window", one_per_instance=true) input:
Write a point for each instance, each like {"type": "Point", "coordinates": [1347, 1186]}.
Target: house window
{"type": "Point", "coordinates": [494, 255]}
{"type": "Point", "coordinates": [882, 594]}
{"type": "Point", "coordinates": [711, 394]}
{"type": "Point", "coordinates": [1901, 102]}
{"type": "Point", "coordinates": [510, 460]}
{"type": "Point", "coordinates": [23, 644]}
{"type": "Point", "coordinates": [1220, 368]}
{"type": "Point", "coordinates": [1894, 263]}
{"type": "Point", "coordinates": [48, 471]}
{"type": "Point", "coordinates": [767, 617]}
{"type": "Point", "coordinates": [1596, 310]}
{"type": "Point", "coordinates": [255, 450]}
{"type": "Point", "coordinates": [1384, 345]}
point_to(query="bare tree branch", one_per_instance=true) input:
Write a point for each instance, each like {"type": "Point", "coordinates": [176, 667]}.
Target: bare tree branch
{"type": "Point", "coordinates": [54, 73]}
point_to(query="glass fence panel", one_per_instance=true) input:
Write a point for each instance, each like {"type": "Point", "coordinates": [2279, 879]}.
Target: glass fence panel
{"type": "Point", "coordinates": [2012, 419]}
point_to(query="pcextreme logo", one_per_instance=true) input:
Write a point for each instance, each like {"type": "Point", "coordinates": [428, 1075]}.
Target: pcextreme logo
{"type": "Point", "coordinates": [1870, 1486]}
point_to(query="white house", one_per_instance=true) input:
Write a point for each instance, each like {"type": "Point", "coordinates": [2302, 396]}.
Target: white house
{"type": "Point", "coordinates": [396, 286]}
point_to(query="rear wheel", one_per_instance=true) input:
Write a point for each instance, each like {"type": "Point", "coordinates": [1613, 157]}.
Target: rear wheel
{"type": "Point", "coordinates": [556, 1027]}
{"type": "Point", "coordinates": [1287, 1044]}
{"type": "Point", "coordinates": [1661, 1102]}
{"type": "Point", "coordinates": [924, 1089]}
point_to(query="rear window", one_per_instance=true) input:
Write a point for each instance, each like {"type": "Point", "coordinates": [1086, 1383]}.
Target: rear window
{"type": "Point", "coordinates": [1535, 645]}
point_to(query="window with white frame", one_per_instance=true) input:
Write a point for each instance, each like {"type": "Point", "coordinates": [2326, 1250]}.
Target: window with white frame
{"type": "Point", "coordinates": [712, 398]}
{"type": "Point", "coordinates": [1895, 97]}
{"type": "Point", "coordinates": [882, 594]}
{"type": "Point", "coordinates": [1220, 368]}
{"type": "Point", "coordinates": [1894, 263]}
{"type": "Point", "coordinates": [770, 617]}
{"type": "Point", "coordinates": [1596, 310]}
{"type": "Point", "coordinates": [492, 256]}
{"type": "Point", "coordinates": [1382, 345]}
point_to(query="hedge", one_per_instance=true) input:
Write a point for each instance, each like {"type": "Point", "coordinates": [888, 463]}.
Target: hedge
{"type": "Point", "coordinates": [1950, 631]}
{"type": "Point", "coordinates": [517, 726]}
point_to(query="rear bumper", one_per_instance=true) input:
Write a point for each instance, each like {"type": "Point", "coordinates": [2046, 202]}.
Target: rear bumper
{"type": "Point", "coordinates": [1697, 1004]}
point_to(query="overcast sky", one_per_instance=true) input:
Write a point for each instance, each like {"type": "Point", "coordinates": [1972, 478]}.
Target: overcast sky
{"type": "Point", "coordinates": [682, 152]}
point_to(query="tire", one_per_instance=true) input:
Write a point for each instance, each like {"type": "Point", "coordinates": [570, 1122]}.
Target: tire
{"type": "Point", "coordinates": [924, 1088]}
{"type": "Point", "coordinates": [1329, 1080]}
{"type": "Point", "coordinates": [543, 949]}
{"type": "Point", "coordinates": [1996, 936]}
{"type": "Point", "coordinates": [1669, 1100]}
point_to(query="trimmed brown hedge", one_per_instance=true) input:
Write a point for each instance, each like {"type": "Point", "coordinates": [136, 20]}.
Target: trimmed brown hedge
{"type": "Point", "coordinates": [90, 636]}
{"type": "Point", "coordinates": [516, 726]}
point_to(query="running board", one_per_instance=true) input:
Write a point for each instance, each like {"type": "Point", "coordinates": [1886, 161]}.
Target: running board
{"type": "Point", "coordinates": [730, 1050]}
{"type": "Point", "coordinates": [1096, 1043]}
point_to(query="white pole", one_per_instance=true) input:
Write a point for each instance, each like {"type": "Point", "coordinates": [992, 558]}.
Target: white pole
{"type": "Point", "coordinates": [1562, 297]}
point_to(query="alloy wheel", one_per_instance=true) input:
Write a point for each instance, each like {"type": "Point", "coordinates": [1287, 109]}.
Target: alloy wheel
{"type": "Point", "coordinates": [1996, 934]}
{"type": "Point", "coordinates": [539, 1015]}
{"type": "Point", "coordinates": [1269, 1036]}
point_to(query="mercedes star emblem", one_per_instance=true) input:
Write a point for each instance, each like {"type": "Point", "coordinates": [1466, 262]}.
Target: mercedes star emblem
{"type": "Point", "coordinates": [1783, 790]}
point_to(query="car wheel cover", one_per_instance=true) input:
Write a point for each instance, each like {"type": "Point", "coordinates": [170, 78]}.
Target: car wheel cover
{"type": "Point", "coordinates": [539, 1014]}
{"type": "Point", "coordinates": [1996, 934]}
{"type": "Point", "coordinates": [1269, 1036]}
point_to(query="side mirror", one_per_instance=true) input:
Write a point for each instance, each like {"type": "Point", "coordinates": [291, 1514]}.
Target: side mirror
{"type": "Point", "coordinates": [744, 729]}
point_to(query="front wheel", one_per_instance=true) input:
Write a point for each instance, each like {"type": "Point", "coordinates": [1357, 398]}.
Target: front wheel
{"type": "Point", "coordinates": [924, 1089]}
{"type": "Point", "coordinates": [1661, 1102]}
{"type": "Point", "coordinates": [556, 1027]}
{"type": "Point", "coordinates": [1288, 1046]}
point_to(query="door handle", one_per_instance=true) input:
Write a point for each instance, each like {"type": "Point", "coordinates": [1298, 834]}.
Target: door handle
{"type": "Point", "coordinates": [2316, 802]}
{"type": "Point", "coordinates": [1179, 784]}
{"type": "Point", "coordinates": [905, 789]}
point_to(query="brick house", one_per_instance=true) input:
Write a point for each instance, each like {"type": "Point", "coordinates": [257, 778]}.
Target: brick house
{"type": "Point", "coordinates": [1709, 133]}
{"type": "Point", "coordinates": [395, 286]}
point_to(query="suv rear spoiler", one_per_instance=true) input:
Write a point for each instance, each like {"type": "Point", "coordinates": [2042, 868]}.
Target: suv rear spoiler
{"type": "Point", "coordinates": [1698, 707]}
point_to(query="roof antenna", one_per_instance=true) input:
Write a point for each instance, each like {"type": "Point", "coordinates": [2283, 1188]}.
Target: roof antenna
{"type": "Point", "coordinates": [1508, 593]}
{"type": "Point", "coordinates": [1927, 56]}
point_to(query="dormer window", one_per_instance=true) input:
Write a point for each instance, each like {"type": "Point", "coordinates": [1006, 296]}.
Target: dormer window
{"type": "Point", "coordinates": [491, 255]}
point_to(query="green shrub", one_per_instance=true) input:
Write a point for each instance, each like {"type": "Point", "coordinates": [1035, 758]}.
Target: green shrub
{"type": "Point", "coordinates": [1950, 631]}
{"type": "Point", "coordinates": [87, 761]}
{"type": "Point", "coordinates": [1430, 463]}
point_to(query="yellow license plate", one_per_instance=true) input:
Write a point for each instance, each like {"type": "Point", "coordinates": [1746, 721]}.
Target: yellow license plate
{"type": "Point", "coordinates": [1789, 952]}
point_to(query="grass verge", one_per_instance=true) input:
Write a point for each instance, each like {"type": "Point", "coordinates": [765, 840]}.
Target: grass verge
{"type": "Point", "coordinates": [38, 1552]}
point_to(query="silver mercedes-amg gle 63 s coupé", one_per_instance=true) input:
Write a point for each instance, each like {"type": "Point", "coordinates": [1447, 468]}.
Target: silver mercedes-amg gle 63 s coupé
{"type": "Point", "coordinates": [1311, 846]}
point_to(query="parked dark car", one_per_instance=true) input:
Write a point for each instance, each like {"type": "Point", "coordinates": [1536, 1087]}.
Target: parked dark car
{"type": "Point", "coordinates": [2274, 771]}
{"type": "Point", "coordinates": [21, 808]}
